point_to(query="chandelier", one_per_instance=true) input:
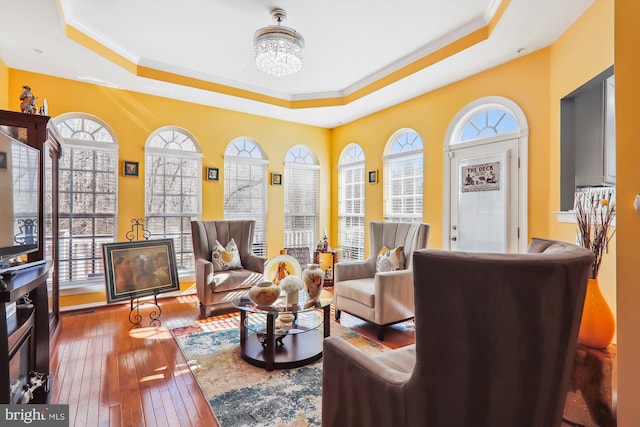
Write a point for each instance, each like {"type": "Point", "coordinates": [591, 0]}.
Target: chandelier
{"type": "Point", "coordinates": [278, 48]}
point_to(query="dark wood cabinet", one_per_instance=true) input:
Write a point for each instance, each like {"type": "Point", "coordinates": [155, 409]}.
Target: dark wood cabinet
{"type": "Point", "coordinates": [39, 132]}
{"type": "Point", "coordinates": [25, 335]}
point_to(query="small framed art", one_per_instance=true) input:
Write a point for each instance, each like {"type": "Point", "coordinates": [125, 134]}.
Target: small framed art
{"type": "Point", "coordinates": [3, 160]}
{"type": "Point", "coordinates": [276, 179]}
{"type": "Point", "coordinates": [212, 174]}
{"type": "Point", "coordinates": [130, 168]}
{"type": "Point", "coordinates": [373, 177]}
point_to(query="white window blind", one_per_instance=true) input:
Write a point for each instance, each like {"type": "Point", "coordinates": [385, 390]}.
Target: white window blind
{"type": "Point", "coordinates": [173, 189]}
{"type": "Point", "coordinates": [87, 191]}
{"type": "Point", "coordinates": [351, 203]}
{"type": "Point", "coordinates": [301, 210]}
{"type": "Point", "coordinates": [403, 177]}
{"type": "Point", "coordinates": [245, 188]}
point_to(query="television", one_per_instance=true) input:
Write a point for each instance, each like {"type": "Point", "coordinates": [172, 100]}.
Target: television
{"type": "Point", "coordinates": [19, 195]}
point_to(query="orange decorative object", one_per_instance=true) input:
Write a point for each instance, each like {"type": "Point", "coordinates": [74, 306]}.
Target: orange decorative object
{"type": "Point", "coordinates": [598, 325]}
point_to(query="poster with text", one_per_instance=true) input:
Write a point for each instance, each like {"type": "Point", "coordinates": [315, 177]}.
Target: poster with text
{"type": "Point", "coordinates": [482, 177]}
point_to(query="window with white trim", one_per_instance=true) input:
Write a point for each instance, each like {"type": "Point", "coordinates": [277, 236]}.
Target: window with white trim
{"type": "Point", "coordinates": [245, 187]}
{"type": "Point", "coordinates": [173, 167]}
{"type": "Point", "coordinates": [87, 192]}
{"type": "Point", "coordinates": [403, 177]}
{"type": "Point", "coordinates": [487, 123]}
{"type": "Point", "coordinates": [351, 203]}
{"type": "Point", "coordinates": [301, 198]}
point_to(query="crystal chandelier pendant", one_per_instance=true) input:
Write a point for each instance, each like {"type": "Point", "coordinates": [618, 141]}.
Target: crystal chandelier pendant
{"type": "Point", "coordinates": [278, 49]}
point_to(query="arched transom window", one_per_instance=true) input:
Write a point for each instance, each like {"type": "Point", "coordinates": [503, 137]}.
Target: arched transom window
{"type": "Point", "coordinates": [173, 164]}
{"type": "Point", "coordinates": [351, 203]}
{"type": "Point", "coordinates": [403, 176]}
{"type": "Point", "coordinates": [488, 123]}
{"type": "Point", "coordinates": [87, 194]}
{"type": "Point", "coordinates": [245, 187]}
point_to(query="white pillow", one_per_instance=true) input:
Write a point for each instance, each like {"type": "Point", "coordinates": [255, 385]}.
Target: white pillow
{"type": "Point", "coordinates": [390, 259]}
{"type": "Point", "coordinates": [226, 258]}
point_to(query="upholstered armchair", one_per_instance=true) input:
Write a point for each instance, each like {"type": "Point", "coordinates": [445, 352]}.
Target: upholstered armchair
{"type": "Point", "coordinates": [380, 297]}
{"type": "Point", "coordinates": [496, 336]}
{"type": "Point", "coordinates": [221, 286]}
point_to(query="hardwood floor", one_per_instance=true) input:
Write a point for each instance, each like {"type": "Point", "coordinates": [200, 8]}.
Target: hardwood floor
{"type": "Point", "coordinates": [113, 374]}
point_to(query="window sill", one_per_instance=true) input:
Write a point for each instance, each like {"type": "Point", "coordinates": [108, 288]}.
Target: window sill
{"type": "Point", "coordinates": [569, 217]}
{"type": "Point", "coordinates": [97, 285]}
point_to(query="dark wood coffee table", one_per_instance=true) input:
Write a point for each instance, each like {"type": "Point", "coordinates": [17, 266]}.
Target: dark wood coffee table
{"type": "Point", "coordinates": [271, 343]}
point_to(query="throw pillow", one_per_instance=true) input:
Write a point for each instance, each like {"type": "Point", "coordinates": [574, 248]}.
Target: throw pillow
{"type": "Point", "coordinates": [226, 258]}
{"type": "Point", "coordinates": [390, 259]}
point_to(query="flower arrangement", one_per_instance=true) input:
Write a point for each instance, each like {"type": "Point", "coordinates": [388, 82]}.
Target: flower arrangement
{"type": "Point", "coordinates": [595, 213]}
{"type": "Point", "coordinates": [291, 284]}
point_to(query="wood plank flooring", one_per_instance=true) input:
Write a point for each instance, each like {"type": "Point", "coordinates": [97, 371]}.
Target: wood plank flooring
{"type": "Point", "coordinates": [113, 374]}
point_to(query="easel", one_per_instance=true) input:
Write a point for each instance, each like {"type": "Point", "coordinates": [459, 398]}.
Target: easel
{"type": "Point", "coordinates": [135, 318]}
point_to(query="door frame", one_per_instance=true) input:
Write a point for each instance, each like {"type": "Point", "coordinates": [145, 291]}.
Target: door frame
{"type": "Point", "coordinates": [522, 135]}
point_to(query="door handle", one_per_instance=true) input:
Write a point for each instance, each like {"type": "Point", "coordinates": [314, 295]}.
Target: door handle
{"type": "Point", "coordinates": [453, 238]}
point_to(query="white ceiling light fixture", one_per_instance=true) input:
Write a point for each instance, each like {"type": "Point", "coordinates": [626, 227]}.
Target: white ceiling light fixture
{"type": "Point", "coordinates": [278, 48]}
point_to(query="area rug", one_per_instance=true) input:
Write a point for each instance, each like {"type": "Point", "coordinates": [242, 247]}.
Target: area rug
{"type": "Point", "coordinates": [241, 394]}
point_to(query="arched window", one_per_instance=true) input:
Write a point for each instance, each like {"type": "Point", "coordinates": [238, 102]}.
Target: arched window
{"type": "Point", "coordinates": [173, 164]}
{"type": "Point", "coordinates": [351, 203]}
{"type": "Point", "coordinates": [245, 187]}
{"type": "Point", "coordinates": [403, 177]}
{"type": "Point", "coordinates": [301, 198]}
{"type": "Point", "coordinates": [87, 193]}
{"type": "Point", "coordinates": [489, 122]}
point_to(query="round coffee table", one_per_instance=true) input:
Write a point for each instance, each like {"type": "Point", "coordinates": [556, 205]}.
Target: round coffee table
{"type": "Point", "coordinates": [281, 336]}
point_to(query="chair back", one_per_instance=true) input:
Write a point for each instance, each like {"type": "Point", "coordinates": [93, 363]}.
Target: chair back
{"type": "Point", "coordinates": [496, 335]}
{"type": "Point", "coordinates": [205, 234]}
{"type": "Point", "coordinates": [412, 235]}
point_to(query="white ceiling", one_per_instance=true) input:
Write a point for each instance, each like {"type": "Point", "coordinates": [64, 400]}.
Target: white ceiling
{"type": "Point", "coordinates": [349, 45]}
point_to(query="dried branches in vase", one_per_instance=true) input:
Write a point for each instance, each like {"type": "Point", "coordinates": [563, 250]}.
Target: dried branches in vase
{"type": "Point", "coordinates": [595, 213]}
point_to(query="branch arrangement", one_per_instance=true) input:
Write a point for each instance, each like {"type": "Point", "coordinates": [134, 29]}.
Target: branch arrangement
{"type": "Point", "coordinates": [594, 216]}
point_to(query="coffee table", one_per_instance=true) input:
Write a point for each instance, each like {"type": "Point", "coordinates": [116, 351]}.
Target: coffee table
{"type": "Point", "coordinates": [271, 343]}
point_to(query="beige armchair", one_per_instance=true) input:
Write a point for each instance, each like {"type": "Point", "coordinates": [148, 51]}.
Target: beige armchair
{"type": "Point", "coordinates": [496, 336]}
{"type": "Point", "coordinates": [386, 297]}
{"type": "Point", "coordinates": [216, 287]}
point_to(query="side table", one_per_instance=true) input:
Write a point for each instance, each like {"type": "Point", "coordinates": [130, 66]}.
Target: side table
{"type": "Point", "coordinates": [326, 261]}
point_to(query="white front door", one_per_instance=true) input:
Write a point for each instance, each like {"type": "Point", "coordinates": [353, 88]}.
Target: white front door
{"type": "Point", "coordinates": [484, 192]}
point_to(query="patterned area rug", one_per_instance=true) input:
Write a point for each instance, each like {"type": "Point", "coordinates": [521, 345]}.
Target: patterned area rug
{"type": "Point", "coordinates": [244, 395]}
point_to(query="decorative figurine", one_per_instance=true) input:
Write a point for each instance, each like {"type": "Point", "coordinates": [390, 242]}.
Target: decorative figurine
{"type": "Point", "coordinates": [28, 101]}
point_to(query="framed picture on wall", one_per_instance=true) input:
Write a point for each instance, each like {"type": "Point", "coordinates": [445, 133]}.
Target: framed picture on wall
{"type": "Point", "coordinates": [276, 179]}
{"type": "Point", "coordinates": [212, 174]}
{"type": "Point", "coordinates": [373, 176]}
{"type": "Point", "coordinates": [130, 168]}
{"type": "Point", "coordinates": [139, 268]}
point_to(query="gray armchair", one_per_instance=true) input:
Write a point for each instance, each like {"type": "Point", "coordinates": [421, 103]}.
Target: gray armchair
{"type": "Point", "coordinates": [496, 336]}
{"type": "Point", "coordinates": [383, 298]}
{"type": "Point", "coordinates": [223, 286]}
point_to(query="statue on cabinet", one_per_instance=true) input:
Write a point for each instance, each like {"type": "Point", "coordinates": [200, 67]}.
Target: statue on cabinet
{"type": "Point", "coordinates": [28, 101]}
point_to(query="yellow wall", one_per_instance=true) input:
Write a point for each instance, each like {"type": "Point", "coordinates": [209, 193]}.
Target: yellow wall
{"type": "Point", "coordinates": [627, 63]}
{"type": "Point", "coordinates": [134, 116]}
{"type": "Point", "coordinates": [523, 80]}
{"type": "Point", "coordinates": [4, 87]}
{"type": "Point", "coordinates": [581, 53]}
